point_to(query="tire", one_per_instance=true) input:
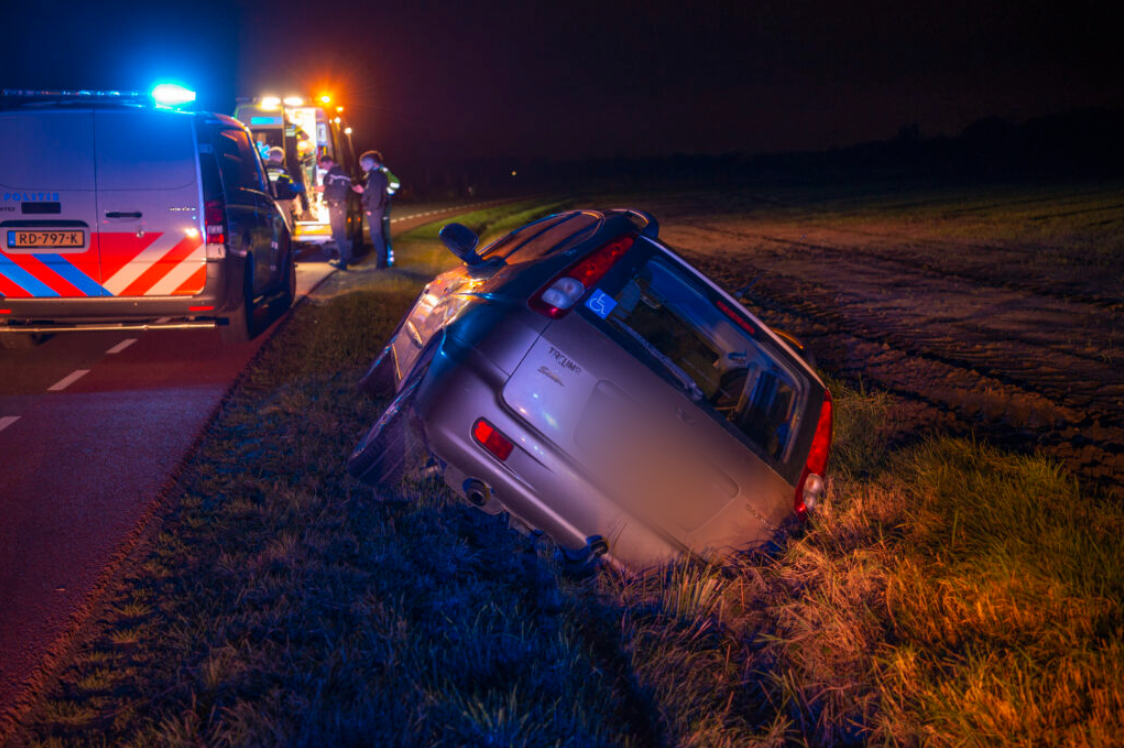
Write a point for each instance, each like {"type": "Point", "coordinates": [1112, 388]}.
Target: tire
{"type": "Point", "coordinates": [20, 341]}
{"type": "Point", "coordinates": [240, 325]}
{"type": "Point", "coordinates": [391, 448]}
{"type": "Point", "coordinates": [380, 379]}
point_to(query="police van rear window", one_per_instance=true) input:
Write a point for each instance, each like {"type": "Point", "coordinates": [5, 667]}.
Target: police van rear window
{"type": "Point", "coordinates": [144, 150]}
{"type": "Point", "coordinates": [46, 151]}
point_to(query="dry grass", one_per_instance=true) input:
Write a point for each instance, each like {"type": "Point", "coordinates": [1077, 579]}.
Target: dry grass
{"type": "Point", "coordinates": [946, 594]}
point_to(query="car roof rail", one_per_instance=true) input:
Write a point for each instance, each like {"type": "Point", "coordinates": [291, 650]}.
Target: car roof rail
{"type": "Point", "coordinates": [651, 227]}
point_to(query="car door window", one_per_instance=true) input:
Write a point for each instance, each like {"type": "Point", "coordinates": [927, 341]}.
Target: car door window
{"type": "Point", "coordinates": [238, 162]}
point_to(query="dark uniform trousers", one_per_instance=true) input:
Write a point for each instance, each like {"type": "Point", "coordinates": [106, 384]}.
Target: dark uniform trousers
{"type": "Point", "coordinates": [386, 230]}
{"type": "Point", "coordinates": [376, 227]}
{"type": "Point", "coordinates": [337, 217]}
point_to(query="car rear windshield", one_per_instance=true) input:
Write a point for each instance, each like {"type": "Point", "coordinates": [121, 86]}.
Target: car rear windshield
{"type": "Point", "coordinates": [690, 335]}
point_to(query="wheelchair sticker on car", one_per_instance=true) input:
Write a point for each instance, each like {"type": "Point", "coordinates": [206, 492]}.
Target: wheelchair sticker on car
{"type": "Point", "coordinates": [601, 303]}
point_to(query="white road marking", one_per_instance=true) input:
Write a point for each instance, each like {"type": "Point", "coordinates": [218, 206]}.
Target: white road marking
{"type": "Point", "coordinates": [68, 380]}
{"type": "Point", "coordinates": [443, 210]}
{"type": "Point", "coordinates": [162, 320]}
{"type": "Point", "coordinates": [122, 345]}
{"type": "Point", "coordinates": [7, 421]}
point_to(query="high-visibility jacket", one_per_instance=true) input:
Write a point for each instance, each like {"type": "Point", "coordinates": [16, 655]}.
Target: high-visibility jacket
{"type": "Point", "coordinates": [277, 173]}
{"type": "Point", "coordinates": [392, 183]}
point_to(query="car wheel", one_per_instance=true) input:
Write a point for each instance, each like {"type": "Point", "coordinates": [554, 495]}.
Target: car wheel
{"type": "Point", "coordinates": [240, 325]}
{"type": "Point", "coordinates": [20, 341]}
{"type": "Point", "coordinates": [391, 448]}
{"type": "Point", "coordinates": [380, 379]}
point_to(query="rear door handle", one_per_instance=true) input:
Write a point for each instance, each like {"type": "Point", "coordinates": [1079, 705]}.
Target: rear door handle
{"type": "Point", "coordinates": [683, 415]}
{"type": "Point", "coordinates": [123, 214]}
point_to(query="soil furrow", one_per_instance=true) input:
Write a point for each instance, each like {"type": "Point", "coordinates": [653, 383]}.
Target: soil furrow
{"type": "Point", "coordinates": [913, 264]}
{"type": "Point", "coordinates": [987, 381]}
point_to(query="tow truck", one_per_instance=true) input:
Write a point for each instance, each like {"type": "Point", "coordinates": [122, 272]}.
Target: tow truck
{"type": "Point", "coordinates": [307, 129]}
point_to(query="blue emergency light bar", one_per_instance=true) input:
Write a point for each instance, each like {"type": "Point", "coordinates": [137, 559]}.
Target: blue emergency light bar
{"type": "Point", "coordinates": [46, 94]}
{"type": "Point", "coordinates": [172, 94]}
{"type": "Point", "coordinates": [164, 94]}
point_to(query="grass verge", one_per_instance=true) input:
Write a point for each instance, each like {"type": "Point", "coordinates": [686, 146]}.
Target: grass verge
{"type": "Point", "coordinates": [945, 594]}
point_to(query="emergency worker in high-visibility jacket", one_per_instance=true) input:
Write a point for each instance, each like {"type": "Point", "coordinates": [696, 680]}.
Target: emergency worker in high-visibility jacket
{"type": "Point", "coordinates": [375, 202]}
{"type": "Point", "coordinates": [336, 189]}
{"type": "Point", "coordinates": [392, 186]}
{"type": "Point", "coordinates": [278, 175]}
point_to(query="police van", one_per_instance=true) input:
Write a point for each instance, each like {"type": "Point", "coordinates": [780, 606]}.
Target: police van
{"type": "Point", "coordinates": [126, 211]}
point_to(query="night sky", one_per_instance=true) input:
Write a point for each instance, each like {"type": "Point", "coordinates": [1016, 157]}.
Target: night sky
{"type": "Point", "coordinates": [426, 80]}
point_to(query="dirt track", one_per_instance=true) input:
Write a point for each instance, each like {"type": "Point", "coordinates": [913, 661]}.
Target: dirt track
{"type": "Point", "coordinates": [1021, 343]}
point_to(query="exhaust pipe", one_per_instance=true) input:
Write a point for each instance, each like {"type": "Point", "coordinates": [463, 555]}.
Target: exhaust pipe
{"type": "Point", "coordinates": [477, 492]}
{"type": "Point", "coordinates": [584, 560]}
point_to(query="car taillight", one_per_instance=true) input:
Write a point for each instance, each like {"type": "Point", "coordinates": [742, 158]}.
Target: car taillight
{"type": "Point", "coordinates": [214, 217]}
{"type": "Point", "coordinates": [492, 440]}
{"type": "Point", "coordinates": [566, 289]}
{"type": "Point", "coordinates": [811, 484]}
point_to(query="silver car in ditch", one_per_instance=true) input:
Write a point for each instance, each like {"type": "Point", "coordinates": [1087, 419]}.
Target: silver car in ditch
{"type": "Point", "coordinates": [581, 376]}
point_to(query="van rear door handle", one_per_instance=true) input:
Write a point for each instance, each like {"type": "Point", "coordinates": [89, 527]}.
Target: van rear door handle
{"type": "Point", "coordinates": [123, 214]}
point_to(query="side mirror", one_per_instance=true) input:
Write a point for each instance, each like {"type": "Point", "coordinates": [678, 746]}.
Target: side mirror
{"type": "Point", "coordinates": [461, 241]}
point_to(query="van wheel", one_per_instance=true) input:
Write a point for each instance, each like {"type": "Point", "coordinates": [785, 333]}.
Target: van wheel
{"type": "Point", "coordinates": [20, 341]}
{"type": "Point", "coordinates": [391, 448]}
{"type": "Point", "coordinates": [239, 326]}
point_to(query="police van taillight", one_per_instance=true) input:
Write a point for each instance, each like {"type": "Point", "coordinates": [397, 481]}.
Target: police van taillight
{"type": "Point", "coordinates": [214, 217]}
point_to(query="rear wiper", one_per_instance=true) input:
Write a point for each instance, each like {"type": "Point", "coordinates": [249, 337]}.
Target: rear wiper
{"type": "Point", "coordinates": [683, 377]}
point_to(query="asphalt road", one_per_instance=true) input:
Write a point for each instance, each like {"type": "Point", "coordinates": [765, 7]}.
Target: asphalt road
{"type": "Point", "coordinates": [92, 427]}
